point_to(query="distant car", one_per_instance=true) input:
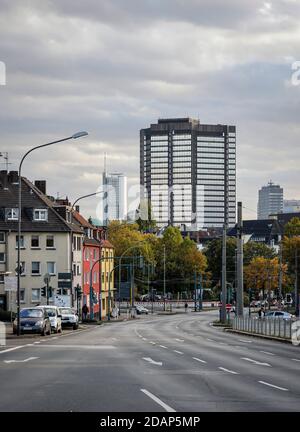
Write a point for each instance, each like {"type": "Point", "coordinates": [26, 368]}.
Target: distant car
{"type": "Point", "coordinates": [279, 314]}
{"type": "Point", "coordinates": [69, 317]}
{"type": "Point", "coordinates": [33, 320]}
{"type": "Point", "coordinates": [141, 310]}
{"type": "Point", "coordinates": [55, 317]}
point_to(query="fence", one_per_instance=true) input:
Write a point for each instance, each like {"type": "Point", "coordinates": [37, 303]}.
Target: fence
{"type": "Point", "coordinates": [276, 327]}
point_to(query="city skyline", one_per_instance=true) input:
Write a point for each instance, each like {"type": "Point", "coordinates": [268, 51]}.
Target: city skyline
{"type": "Point", "coordinates": [94, 81]}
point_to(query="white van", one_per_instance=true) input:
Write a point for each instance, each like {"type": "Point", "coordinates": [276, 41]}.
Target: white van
{"type": "Point", "coordinates": [55, 317]}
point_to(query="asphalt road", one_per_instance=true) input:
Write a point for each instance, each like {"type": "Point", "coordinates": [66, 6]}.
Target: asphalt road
{"type": "Point", "coordinates": [161, 363]}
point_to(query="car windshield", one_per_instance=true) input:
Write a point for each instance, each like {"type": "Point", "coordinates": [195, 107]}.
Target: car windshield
{"type": "Point", "coordinates": [51, 312]}
{"type": "Point", "coordinates": [31, 313]}
{"type": "Point", "coordinates": [65, 311]}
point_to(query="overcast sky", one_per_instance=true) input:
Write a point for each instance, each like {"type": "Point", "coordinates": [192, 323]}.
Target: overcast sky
{"type": "Point", "coordinates": [112, 67]}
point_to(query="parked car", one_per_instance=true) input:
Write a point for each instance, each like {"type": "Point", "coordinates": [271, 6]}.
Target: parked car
{"type": "Point", "coordinates": [279, 314]}
{"type": "Point", "coordinates": [69, 317]}
{"type": "Point", "coordinates": [55, 317]}
{"type": "Point", "coordinates": [33, 320]}
{"type": "Point", "coordinates": [141, 310]}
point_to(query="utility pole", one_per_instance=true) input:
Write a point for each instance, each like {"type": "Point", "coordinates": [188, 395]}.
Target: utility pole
{"type": "Point", "coordinates": [195, 289]}
{"type": "Point", "coordinates": [164, 277]}
{"type": "Point", "coordinates": [240, 276]}
{"type": "Point", "coordinates": [224, 276]}
{"type": "Point", "coordinates": [280, 271]}
{"type": "Point", "coordinates": [296, 284]}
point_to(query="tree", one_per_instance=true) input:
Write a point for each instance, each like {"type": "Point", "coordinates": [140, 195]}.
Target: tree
{"type": "Point", "coordinates": [144, 216]}
{"type": "Point", "coordinates": [263, 274]}
{"type": "Point", "coordinates": [213, 253]}
{"type": "Point", "coordinates": [254, 249]}
{"type": "Point", "coordinates": [292, 228]}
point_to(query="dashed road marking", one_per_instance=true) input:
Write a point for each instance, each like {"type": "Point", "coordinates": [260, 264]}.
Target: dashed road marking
{"type": "Point", "coordinates": [149, 360]}
{"type": "Point", "coordinates": [274, 386]}
{"type": "Point", "coordinates": [178, 352]}
{"type": "Point", "coordinates": [255, 362]}
{"type": "Point", "coordinates": [199, 360]}
{"type": "Point", "coordinates": [229, 371]}
{"type": "Point", "coordinates": [158, 401]}
{"type": "Point", "coordinates": [267, 352]}
{"type": "Point", "coordinates": [162, 346]}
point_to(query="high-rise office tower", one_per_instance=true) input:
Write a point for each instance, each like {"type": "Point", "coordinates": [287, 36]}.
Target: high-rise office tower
{"type": "Point", "coordinates": [114, 197]}
{"type": "Point", "coordinates": [291, 206]}
{"type": "Point", "coordinates": [188, 173]}
{"type": "Point", "coordinates": [270, 201]}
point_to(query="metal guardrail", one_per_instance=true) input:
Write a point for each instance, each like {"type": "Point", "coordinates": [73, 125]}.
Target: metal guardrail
{"type": "Point", "coordinates": [276, 327]}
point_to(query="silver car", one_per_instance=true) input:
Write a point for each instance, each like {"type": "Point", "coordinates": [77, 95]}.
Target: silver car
{"type": "Point", "coordinates": [69, 317]}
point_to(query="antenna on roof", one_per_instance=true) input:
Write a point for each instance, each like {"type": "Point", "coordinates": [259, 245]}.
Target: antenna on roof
{"type": "Point", "coordinates": [4, 155]}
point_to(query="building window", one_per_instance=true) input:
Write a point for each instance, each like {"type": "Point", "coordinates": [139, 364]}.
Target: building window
{"type": "Point", "coordinates": [94, 254]}
{"type": "Point", "coordinates": [35, 241]}
{"type": "Point", "coordinates": [22, 295]}
{"type": "Point", "coordinates": [50, 242]}
{"type": "Point", "coordinates": [1, 278]}
{"type": "Point", "coordinates": [35, 268]}
{"type": "Point", "coordinates": [12, 214]}
{"type": "Point", "coordinates": [103, 304]}
{"type": "Point", "coordinates": [78, 270]}
{"type": "Point", "coordinates": [102, 279]}
{"type": "Point", "coordinates": [22, 243]}
{"type": "Point", "coordinates": [40, 215]}
{"type": "Point", "coordinates": [74, 269]}
{"type": "Point", "coordinates": [36, 295]}
{"type": "Point", "coordinates": [2, 257]}
{"type": "Point", "coordinates": [78, 243]}
{"type": "Point", "coordinates": [2, 237]}
{"type": "Point", "coordinates": [51, 268]}
{"type": "Point", "coordinates": [95, 277]}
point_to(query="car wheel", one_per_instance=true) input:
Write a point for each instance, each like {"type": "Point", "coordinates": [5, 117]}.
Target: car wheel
{"type": "Point", "coordinates": [75, 327]}
{"type": "Point", "coordinates": [43, 332]}
{"type": "Point", "coordinates": [49, 331]}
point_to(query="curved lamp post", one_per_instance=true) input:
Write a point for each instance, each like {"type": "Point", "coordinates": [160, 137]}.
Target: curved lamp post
{"type": "Point", "coordinates": [74, 136]}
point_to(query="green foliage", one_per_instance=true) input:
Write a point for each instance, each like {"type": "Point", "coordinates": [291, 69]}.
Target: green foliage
{"type": "Point", "coordinates": [145, 218]}
{"type": "Point", "coordinates": [292, 228]}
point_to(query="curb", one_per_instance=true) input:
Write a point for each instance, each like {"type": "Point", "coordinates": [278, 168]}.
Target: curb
{"type": "Point", "coordinates": [258, 335]}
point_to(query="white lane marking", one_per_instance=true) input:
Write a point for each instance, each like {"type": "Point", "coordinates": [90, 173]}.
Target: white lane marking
{"type": "Point", "coordinates": [149, 359]}
{"type": "Point", "coordinates": [274, 386]}
{"type": "Point", "coordinates": [228, 370]}
{"type": "Point", "coordinates": [178, 352]}
{"type": "Point", "coordinates": [180, 340]}
{"type": "Point", "coordinates": [223, 343]}
{"type": "Point", "coordinates": [246, 340]}
{"type": "Point", "coordinates": [81, 347]}
{"type": "Point", "coordinates": [21, 361]}
{"type": "Point", "coordinates": [199, 360]}
{"type": "Point", "coordinates": [144, 339]}
{"type": "Point", "coordinates": [210, 340]}
{"type": "Point", "coordinates": [266, 352]}
{"type": "Point", "coordinates": [298, 360]}
{"type": "Point", "coordinates": [158, 401]}
{"type": "Point", "coordinates": [162, 346]}
{"type": "Point", "coordinates": [11, 349]}
{"type": "Point", "coordinates": [55, 337]}
{"type": "Point", "coordinates": [153, 343]}
{"type": "Point", "coordinates": [255, 362]}
{"type": "Point", "coordinates": [36, 342]}
{"type": "Point", "coordinates": [29, 344]}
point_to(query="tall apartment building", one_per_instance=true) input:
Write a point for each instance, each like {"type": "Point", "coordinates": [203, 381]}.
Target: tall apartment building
{"type": "Point", "coordinates": [270, 200]}
{"type": "Point", "coordinates": [114, 197]}
{"type": "Point", "coordinates": [188, 173]}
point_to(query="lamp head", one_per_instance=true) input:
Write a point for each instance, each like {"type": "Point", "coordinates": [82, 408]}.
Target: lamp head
{"type": "Point", "coordinates": [79, 134]}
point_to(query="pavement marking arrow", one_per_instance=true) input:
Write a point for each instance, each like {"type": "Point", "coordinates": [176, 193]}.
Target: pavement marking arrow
{"type": "Point", "coordinates": [21, 361]}
{"type": "Point", "coordinates": [255, 362]}
{"type": "Point", "coordinates": [148, 359]}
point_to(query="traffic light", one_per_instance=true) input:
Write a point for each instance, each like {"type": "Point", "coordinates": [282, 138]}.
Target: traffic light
{"type": "Point", "coordinates": [78, 292]}
{"type": "Point", "coordinates": [95, 301]}
{"type": "Point", "coordinates": [44, 289]}
{"type": "Point", "coordinates": [288, 298]}
{"type": "Point", "coordinates": [50, 290]}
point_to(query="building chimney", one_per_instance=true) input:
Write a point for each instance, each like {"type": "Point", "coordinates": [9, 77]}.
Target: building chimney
{"type": "Point", "coordinates": [3, 179]}
{"type": "Point", "coordinates": [77, 208]}
{"type": "Point", "coordinates": [13, 177]}
{"type": "Point", "coordinates": [41, 185]}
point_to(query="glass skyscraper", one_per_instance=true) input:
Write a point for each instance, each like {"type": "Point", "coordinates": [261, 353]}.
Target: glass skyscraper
{"type": "Point", "coordinates": [188, 173]}
{"type": "Point", "coordinates": [270, 201]}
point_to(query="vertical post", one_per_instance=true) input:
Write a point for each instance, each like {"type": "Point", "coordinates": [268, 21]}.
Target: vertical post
{"type": "Point", "coordinates": [280, 272]}
{"type": "Point", "coordinates": [195, 289]}
{"type": "Point", "coordinates": [296, 283]}
{"type": "Point", "coordinates": [47, 290]}
{"type": "Point", "coordinates": [200, 292]}
{"type": "Point", "coordinates": [120, 286]}
{"type": "Point", "coordinates": [240, 280]}
{"type": "Point", "coordinates": [164, 277]}
{"type": "Point", "coordinates": [91, 295]}
{"type": "Point", "coordinates": [19, 251]}
{"type": "Point", "coordinates": [224, 282]}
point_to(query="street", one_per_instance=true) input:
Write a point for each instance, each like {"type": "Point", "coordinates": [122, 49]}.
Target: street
{"type": "Point", "coordinates": [156, 363]}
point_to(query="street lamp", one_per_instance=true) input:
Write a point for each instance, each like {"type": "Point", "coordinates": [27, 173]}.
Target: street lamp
{"type": "Point", "coordinates": [74, 136]}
